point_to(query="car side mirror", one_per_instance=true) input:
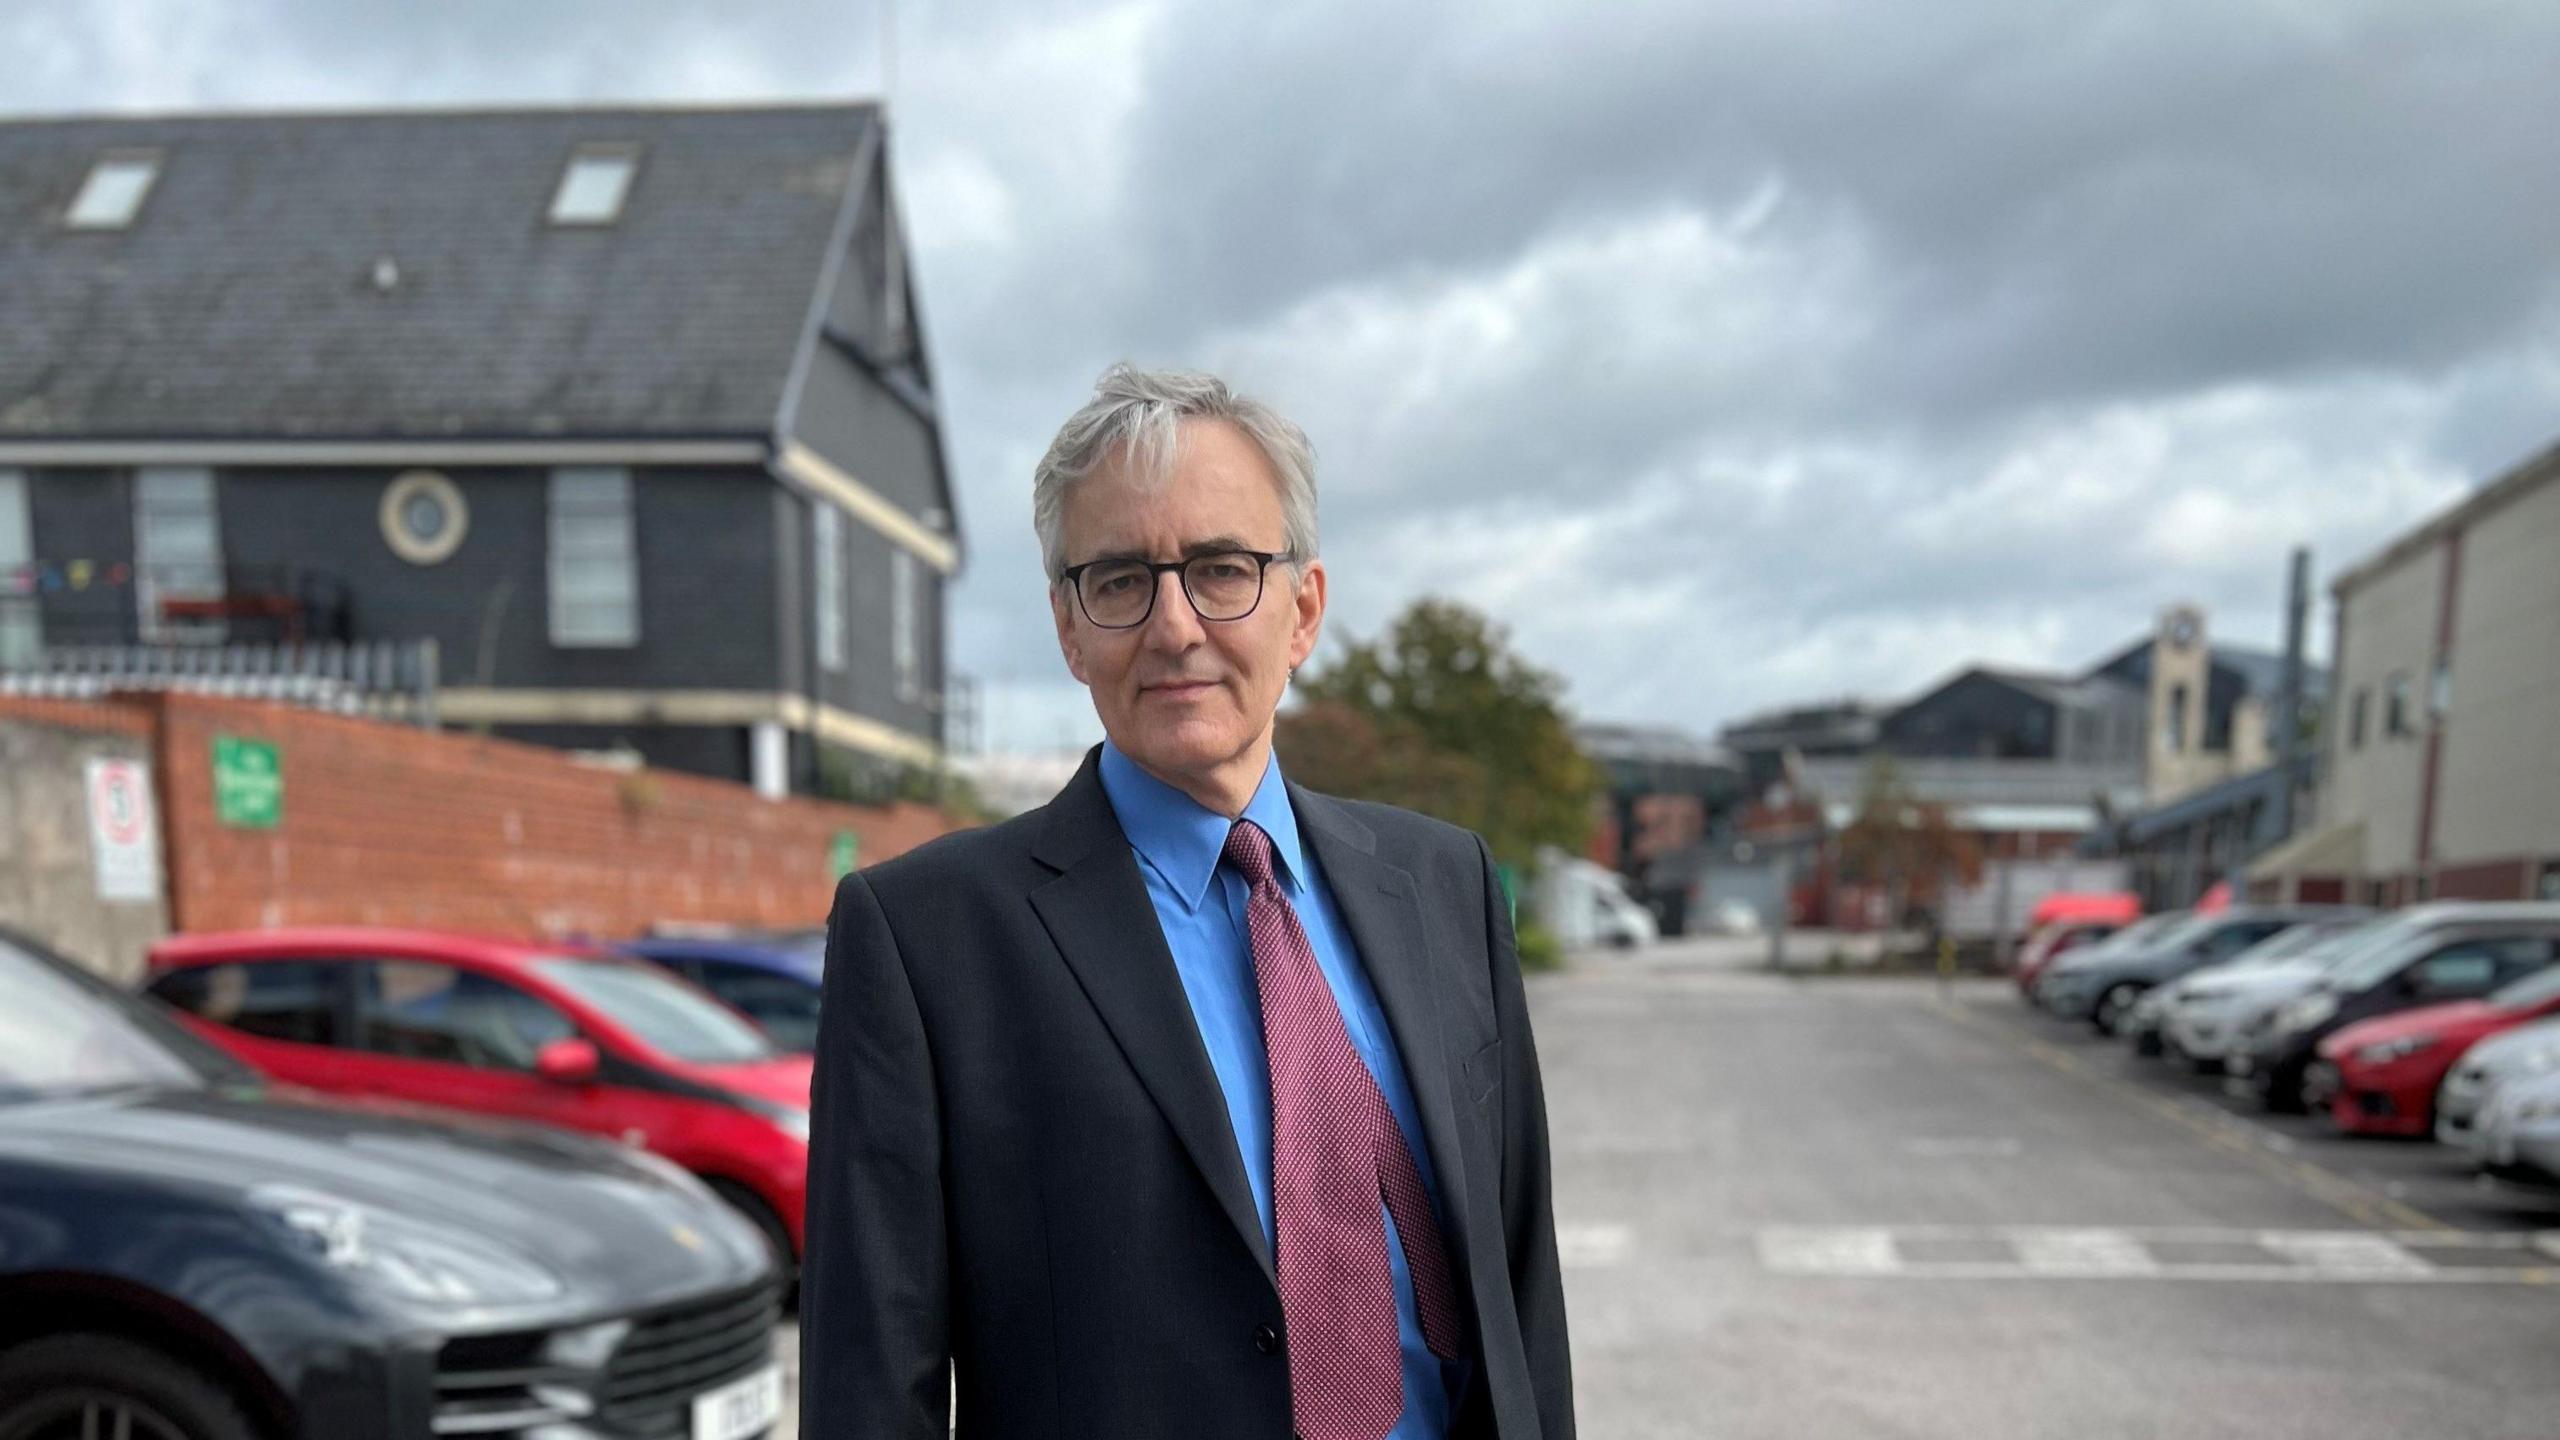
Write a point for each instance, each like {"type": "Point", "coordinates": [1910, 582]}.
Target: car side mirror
{"type": "Point", "coordinates": [568, 1062]}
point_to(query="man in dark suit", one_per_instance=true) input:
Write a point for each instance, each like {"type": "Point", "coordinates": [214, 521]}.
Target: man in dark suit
{"type": "Point", "coordinates": [1194, 1103]}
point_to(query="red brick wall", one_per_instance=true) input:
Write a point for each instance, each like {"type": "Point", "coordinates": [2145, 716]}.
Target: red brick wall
{"type": "Point", "coordinates": [76, 715]}
{"type": "Point", "coordinates": [2490, 880]}
{"type": "Point", "coordinates": [389, 824]}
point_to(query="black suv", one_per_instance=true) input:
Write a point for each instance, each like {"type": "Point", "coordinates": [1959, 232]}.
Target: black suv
{"type": "Point", "coordinates": [190, 1253]}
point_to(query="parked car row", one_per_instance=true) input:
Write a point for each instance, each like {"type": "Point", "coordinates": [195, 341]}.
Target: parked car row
{"type": "Point", "coordinates": [359, 1181]}
{"type": "Point", "coordinates": [2441, 1020]}
{"type": "Point", "coordinates": [195, 1249]}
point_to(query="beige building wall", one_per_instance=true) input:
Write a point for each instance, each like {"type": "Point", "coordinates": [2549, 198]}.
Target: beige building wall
{"type": "Point", "coordinates": [2388, 627]}
{"type": "Point", "coordinates": [2498, 791]}
{"type": "Point", "coordinates": [2181, 677]}
{"type": "Point", "coordinates": [2176, 760]}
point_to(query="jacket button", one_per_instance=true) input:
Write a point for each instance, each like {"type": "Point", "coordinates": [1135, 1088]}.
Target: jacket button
{"type": "Point", "coordinates": [1266, 1339]}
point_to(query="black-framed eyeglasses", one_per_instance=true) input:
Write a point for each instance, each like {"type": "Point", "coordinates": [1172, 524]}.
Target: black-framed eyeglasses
{"type": "Point", "coordinates": [1221, 585]}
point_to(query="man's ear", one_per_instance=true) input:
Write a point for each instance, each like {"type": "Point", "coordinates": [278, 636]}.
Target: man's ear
{"type": "Point", "coordinates": [1306, 620]}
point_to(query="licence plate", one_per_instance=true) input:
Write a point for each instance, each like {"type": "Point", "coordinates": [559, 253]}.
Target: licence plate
{"type": "Point", "coordinates": [740, 1409]}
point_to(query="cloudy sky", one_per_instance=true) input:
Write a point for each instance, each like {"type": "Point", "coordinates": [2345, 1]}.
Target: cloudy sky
{"type": "Point", "coordinates": [1730, 352]}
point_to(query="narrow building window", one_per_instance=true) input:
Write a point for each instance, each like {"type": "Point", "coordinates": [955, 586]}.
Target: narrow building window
{"type": "Point", "coordinates": [2177, 726]}
{"type": "Point", "coordinates": [2395, 706]}
{"type": "Point", "coordinates": [905, 616]}
{"type": "Point", "coordinates": [595, 569]}
{"type": "Point", "coordinates": [828, 592]}
{"type": "Point", "coordinates": [20, 633]}
{"type": "Point", "coordinates": [177, 556]}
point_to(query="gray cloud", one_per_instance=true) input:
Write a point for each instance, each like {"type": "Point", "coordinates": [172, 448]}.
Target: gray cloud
{"type": "Point", "coordinates": [1731, 353]}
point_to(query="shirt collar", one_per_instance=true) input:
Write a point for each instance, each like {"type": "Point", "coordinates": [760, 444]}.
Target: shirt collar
{"type": "Point", "coordinates": [1185, 839]}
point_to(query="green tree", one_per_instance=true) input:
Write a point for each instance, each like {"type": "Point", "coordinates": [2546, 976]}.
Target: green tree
{"type": "Point", "coordinates": [1440, 716]}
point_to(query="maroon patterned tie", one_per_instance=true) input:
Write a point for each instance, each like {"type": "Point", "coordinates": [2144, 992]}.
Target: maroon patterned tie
{"type": "Point", "coordinates": [1336, 1151]}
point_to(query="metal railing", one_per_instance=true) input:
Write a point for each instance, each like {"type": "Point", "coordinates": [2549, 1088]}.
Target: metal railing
{"type": "Point", "coordinates": [384, 679]}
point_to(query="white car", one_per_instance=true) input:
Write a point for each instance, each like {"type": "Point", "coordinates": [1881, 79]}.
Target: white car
{"type": "Point", "coordinates": [2518, 1133]}
{"type": "Point", "coordinates": [2202, 1014]}
{"type": "Point", "coordinates": [2485, 1069]}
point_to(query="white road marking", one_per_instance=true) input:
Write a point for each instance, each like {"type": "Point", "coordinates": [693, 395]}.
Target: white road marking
{"type": "Point", "coordinates": [2083, 1252]}
{"type": "Point", "coordinates": [1593, 1246]}
{"type": "Point", "coordinates": [2129, 1253]}
{"type": "Point", "coordinates": [2346, 1253]}
{"type": "Point", "coordinates": [1830, 1252]}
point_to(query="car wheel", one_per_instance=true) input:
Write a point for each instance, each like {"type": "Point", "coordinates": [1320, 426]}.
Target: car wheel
{"type": "Point", "coordinates": [72, 1387]}
{"type": "Point", "coordinates": [2115, 1005]}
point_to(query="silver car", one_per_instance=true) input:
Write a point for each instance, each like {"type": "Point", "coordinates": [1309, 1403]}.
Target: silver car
{"type": "Point", "coordinates": [2101, 986]}
{"type": "Point", "coordinates": [2518, 1132]}
{"type": "Point", "coordinates": [2203, 1014]}
{"type": "Point", "coordinates": [2487, 1067]}
{"type": "Point", "coordinates": [2148, 1026]}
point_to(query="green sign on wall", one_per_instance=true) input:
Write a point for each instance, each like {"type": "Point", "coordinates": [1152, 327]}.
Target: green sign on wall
{"type": "Point", "coordinates": [248, 783]}
{"type": "Point", "coordinates": [841, 853]}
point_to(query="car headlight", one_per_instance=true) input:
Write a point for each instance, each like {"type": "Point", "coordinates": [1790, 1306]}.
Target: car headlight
{"type": "Point", "coordinates": [414, 1261]}
{"type": "Point", "coordinates": [794, 1123]}
{"type": "Point", "coordinates": [2307, 1012]}
{"type": "Point", "coordinates": [2400, 1049]}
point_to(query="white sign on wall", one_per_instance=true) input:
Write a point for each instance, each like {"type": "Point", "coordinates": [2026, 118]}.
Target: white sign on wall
{"type": "Point", "coordinates": [121, 831]}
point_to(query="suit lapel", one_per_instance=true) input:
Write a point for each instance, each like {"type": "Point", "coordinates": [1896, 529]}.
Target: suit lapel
{"type": "Point", "coordinates": [1379, 903]}
{"type": "Point", "coordinates": [1099, 914]}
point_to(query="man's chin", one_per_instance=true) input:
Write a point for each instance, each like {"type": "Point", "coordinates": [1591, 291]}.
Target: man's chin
{"type": "Point", "coordinates": [1188, 744]}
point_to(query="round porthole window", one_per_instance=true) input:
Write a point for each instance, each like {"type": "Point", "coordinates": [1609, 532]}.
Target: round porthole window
{"type": "Point", "coordinates": [423, 517]}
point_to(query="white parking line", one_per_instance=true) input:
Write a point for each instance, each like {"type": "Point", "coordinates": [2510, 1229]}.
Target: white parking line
{"type": "Point", "coordinates": [1593, 1246]}
{"type": "Point", "coordinates": [2137, 1253]}
{"type": "Point", "coordinates": [1830, 1252]}
{"type": "Point", "coordinates": [2083, 1252]}
{"type": "Point", "coordinates": [2346, 1253]}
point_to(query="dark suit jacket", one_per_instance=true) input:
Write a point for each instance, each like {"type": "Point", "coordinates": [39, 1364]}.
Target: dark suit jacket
{"type": "Point", "coordinates": [1020, 1158]}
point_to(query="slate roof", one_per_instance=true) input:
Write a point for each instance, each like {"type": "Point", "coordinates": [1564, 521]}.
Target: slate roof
{"type": "Point", "coordinates": [243, 303]}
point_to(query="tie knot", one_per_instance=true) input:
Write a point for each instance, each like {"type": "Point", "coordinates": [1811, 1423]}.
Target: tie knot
{"type": "Point", "coordinates": [1249, 850]}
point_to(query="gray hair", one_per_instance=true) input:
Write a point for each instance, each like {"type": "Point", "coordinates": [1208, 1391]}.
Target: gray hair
{"type": "Point", "coordinates": [1136, 416]}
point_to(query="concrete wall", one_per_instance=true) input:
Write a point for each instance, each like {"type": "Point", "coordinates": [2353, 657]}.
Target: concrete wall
{"type": "Point", "coordinates": [48, 870]}
{"type": "Point", "coordinates": [2389, 628]}
{"type": "Point", "coordinates": [2498, 779]}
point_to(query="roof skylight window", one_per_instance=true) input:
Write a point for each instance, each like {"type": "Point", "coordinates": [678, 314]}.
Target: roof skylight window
{"type": "Point", "coordinates": [592, 188]}
{"type": "Point", "coordinates": [114, 192]}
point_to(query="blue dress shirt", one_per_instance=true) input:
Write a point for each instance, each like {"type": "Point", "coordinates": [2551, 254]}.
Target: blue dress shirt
{"type": "Point", "coordinates": [1200, 903]}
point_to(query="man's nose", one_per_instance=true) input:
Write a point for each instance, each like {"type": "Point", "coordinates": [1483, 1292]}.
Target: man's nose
{"type": "Point", "coordinates": [1174, 625]}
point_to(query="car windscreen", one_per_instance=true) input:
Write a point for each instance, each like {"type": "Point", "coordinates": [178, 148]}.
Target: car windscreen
{"type": "Point", "coordinates": [2532, 992]}
{"type": "Point", "coordinates": [2384, 952]}
{"type": "Point", "coordinates": [661, 1012]}
{"type": "Point", "coordinates": [2181, 932]}
{"type": "Point", "coordinates": [2308, 940]}
{"type": "Point", "coordinates": [59, 1037]}
{"type": "Point", "coordinates": [2136, 936]}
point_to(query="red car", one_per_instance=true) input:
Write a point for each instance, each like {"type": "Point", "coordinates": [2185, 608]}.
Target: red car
{"type": "Point", "coordinates": [2380, 1076]}
{"type": "Point", "coordinates": [551, 1034]}
{"type": "Point", "coordinates": [2053, 940]}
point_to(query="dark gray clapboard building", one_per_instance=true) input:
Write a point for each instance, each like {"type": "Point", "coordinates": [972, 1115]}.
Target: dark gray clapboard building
{"type": "Point", "coordinates": [608, 425]}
